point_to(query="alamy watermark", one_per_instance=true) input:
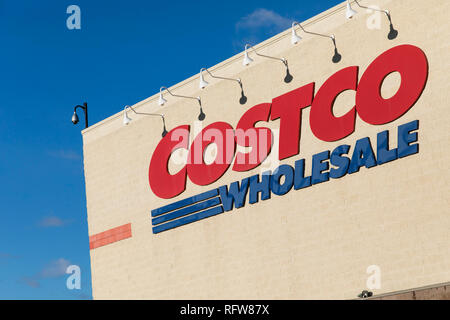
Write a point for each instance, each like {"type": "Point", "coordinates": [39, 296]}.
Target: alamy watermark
{"type": "Point", "coordinates": [373, 22]}
{"type": "Point", "coordinates": [253, 146]}
{"type": "Point", "coordinates": [73, 21]}
{"type": "Point", "coordinates": [374, 279]}
{"type": "Point", "coordinates": [74, 280]}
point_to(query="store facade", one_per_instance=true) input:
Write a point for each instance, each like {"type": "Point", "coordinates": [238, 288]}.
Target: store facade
{"type": "Point", "coordinates": [304, 178]}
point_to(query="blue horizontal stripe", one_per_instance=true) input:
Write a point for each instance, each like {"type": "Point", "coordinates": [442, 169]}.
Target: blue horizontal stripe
{"type": "Point", "coordinates": [192, 218]}
{"type": "Point", "coordinates": [184, 202]}
{"type": "Point", "coordinates": [187, 210]}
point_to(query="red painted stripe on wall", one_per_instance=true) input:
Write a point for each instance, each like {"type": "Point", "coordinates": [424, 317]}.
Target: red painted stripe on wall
{"type": "Point", "coordinates": [110, 236]}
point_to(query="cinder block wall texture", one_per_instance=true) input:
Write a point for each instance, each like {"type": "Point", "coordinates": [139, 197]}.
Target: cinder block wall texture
{"type": "Point", "coordinates": [308, 244]}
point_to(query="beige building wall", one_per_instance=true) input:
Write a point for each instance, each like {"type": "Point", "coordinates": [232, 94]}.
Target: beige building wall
{"type": "Point", "coordinates": [309, 244]}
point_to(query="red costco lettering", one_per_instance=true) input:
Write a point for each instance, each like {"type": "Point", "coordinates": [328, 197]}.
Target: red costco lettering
{"type": "Point", "coordinates": [372, 108]}
{"type": "Point", "coordinates": [288, 107]}
{"type": "Point", "coordinates": [162, 183]}
{"type": "Point", "coordinates": [324, 125]}
{"type": "Point", "coordinates": [259, 139]}
{"type": "Point", "coordinates": [412, 65]}
{"type": "Point", "coordinates": [222, 135]}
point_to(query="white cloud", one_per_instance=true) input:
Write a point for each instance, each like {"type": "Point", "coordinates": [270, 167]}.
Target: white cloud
{"type": "Point", "coordinates": [52, 221]}
{"type": "Point", "coordinates": [65, 154]}
{"type": "Point", "coordinates": [6, 257]}
{"type": "Point", "coordinates": [55, 268]}
{"type": "Point", "coordinates": [258, 26]}
{"type": "Point", "coordinates": [263, 18]}
{"type": "Point", "coordinates": [31, 282]}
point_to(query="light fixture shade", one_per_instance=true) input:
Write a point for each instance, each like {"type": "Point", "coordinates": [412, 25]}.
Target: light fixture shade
{"type": "Point", "coordinates": [161, 100]}
{"type": "Point", "coordinates": [126, 120]}
{"type": "Point", "coordinates": [247, 60]}
{"type": "Point", "coordinates": [75, 118]}
{"type": "Point", "coordinates": [349, 13]}
{"type": "Point", "coordinates": [294, 37]}
{"type": "Point", "coordinates": [202, 83]}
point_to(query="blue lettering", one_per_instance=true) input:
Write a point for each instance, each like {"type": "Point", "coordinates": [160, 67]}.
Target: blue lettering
{"type": "Point", "coordinates": [299, 177]}
{"type": "Point", "coordinates": [362, 156]}
{"type": "Point", "coordinates": [234, 195]}
{"type": "Point", "coordinates": [383, 153]}
{"type": "Point", "coordinates": [341, 162]}
{"type": "Point", "coordinates": [288, 172]}
{"type": "Point", "coordinates": [405, 138]}
{"type": "Point", "coordinates": [257, 187]}
{"type": "Point", "coordinates": [319, 165]}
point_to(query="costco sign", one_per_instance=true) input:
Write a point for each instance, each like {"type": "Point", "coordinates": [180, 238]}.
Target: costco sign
{"type": "Point", "coordinates": [409, 61]}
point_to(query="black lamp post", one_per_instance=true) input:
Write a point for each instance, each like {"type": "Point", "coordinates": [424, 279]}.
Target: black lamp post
{"type": "Point", "coordinates": [75, 119]}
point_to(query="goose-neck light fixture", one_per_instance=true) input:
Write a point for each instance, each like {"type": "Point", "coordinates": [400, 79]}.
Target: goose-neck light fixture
{"type": "Point", "coordinates": [247, 60]}
{"type": "Point", "coordinates": [295, 38]}
{"type": "Point", "coordinates": [75, 119]}
{"type": "Point", "coordinates": [350, 13]}
{"type": "Point", "coordinates": [162, 101]}
{"type": "Point", "coordinates": [127, 120]}
{"type": "Point", "coordinates": [202, 83]}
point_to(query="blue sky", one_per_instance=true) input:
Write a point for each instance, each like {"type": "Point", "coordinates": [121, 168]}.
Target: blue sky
{"type": "Point", "coordinates": [123, 53]}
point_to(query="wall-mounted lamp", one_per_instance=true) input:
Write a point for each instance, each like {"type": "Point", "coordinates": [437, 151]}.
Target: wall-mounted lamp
{"type": "Point", "coordinates": [350, 13]}
{"type": "Point", "coordinates": [365, 294]}
{"type": "Point", "coordinates": [296, 38]}
{"type": "Point", "coordinates": [75, 119]}
{"type": "Point", "coordinates": [127, 120]}
{"type": "Point", "coordinates": [162, 101]}
{"type": "Point", "coordinates": [247, 60]}
{"type": "Point", "coordinates": [202, 83]}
